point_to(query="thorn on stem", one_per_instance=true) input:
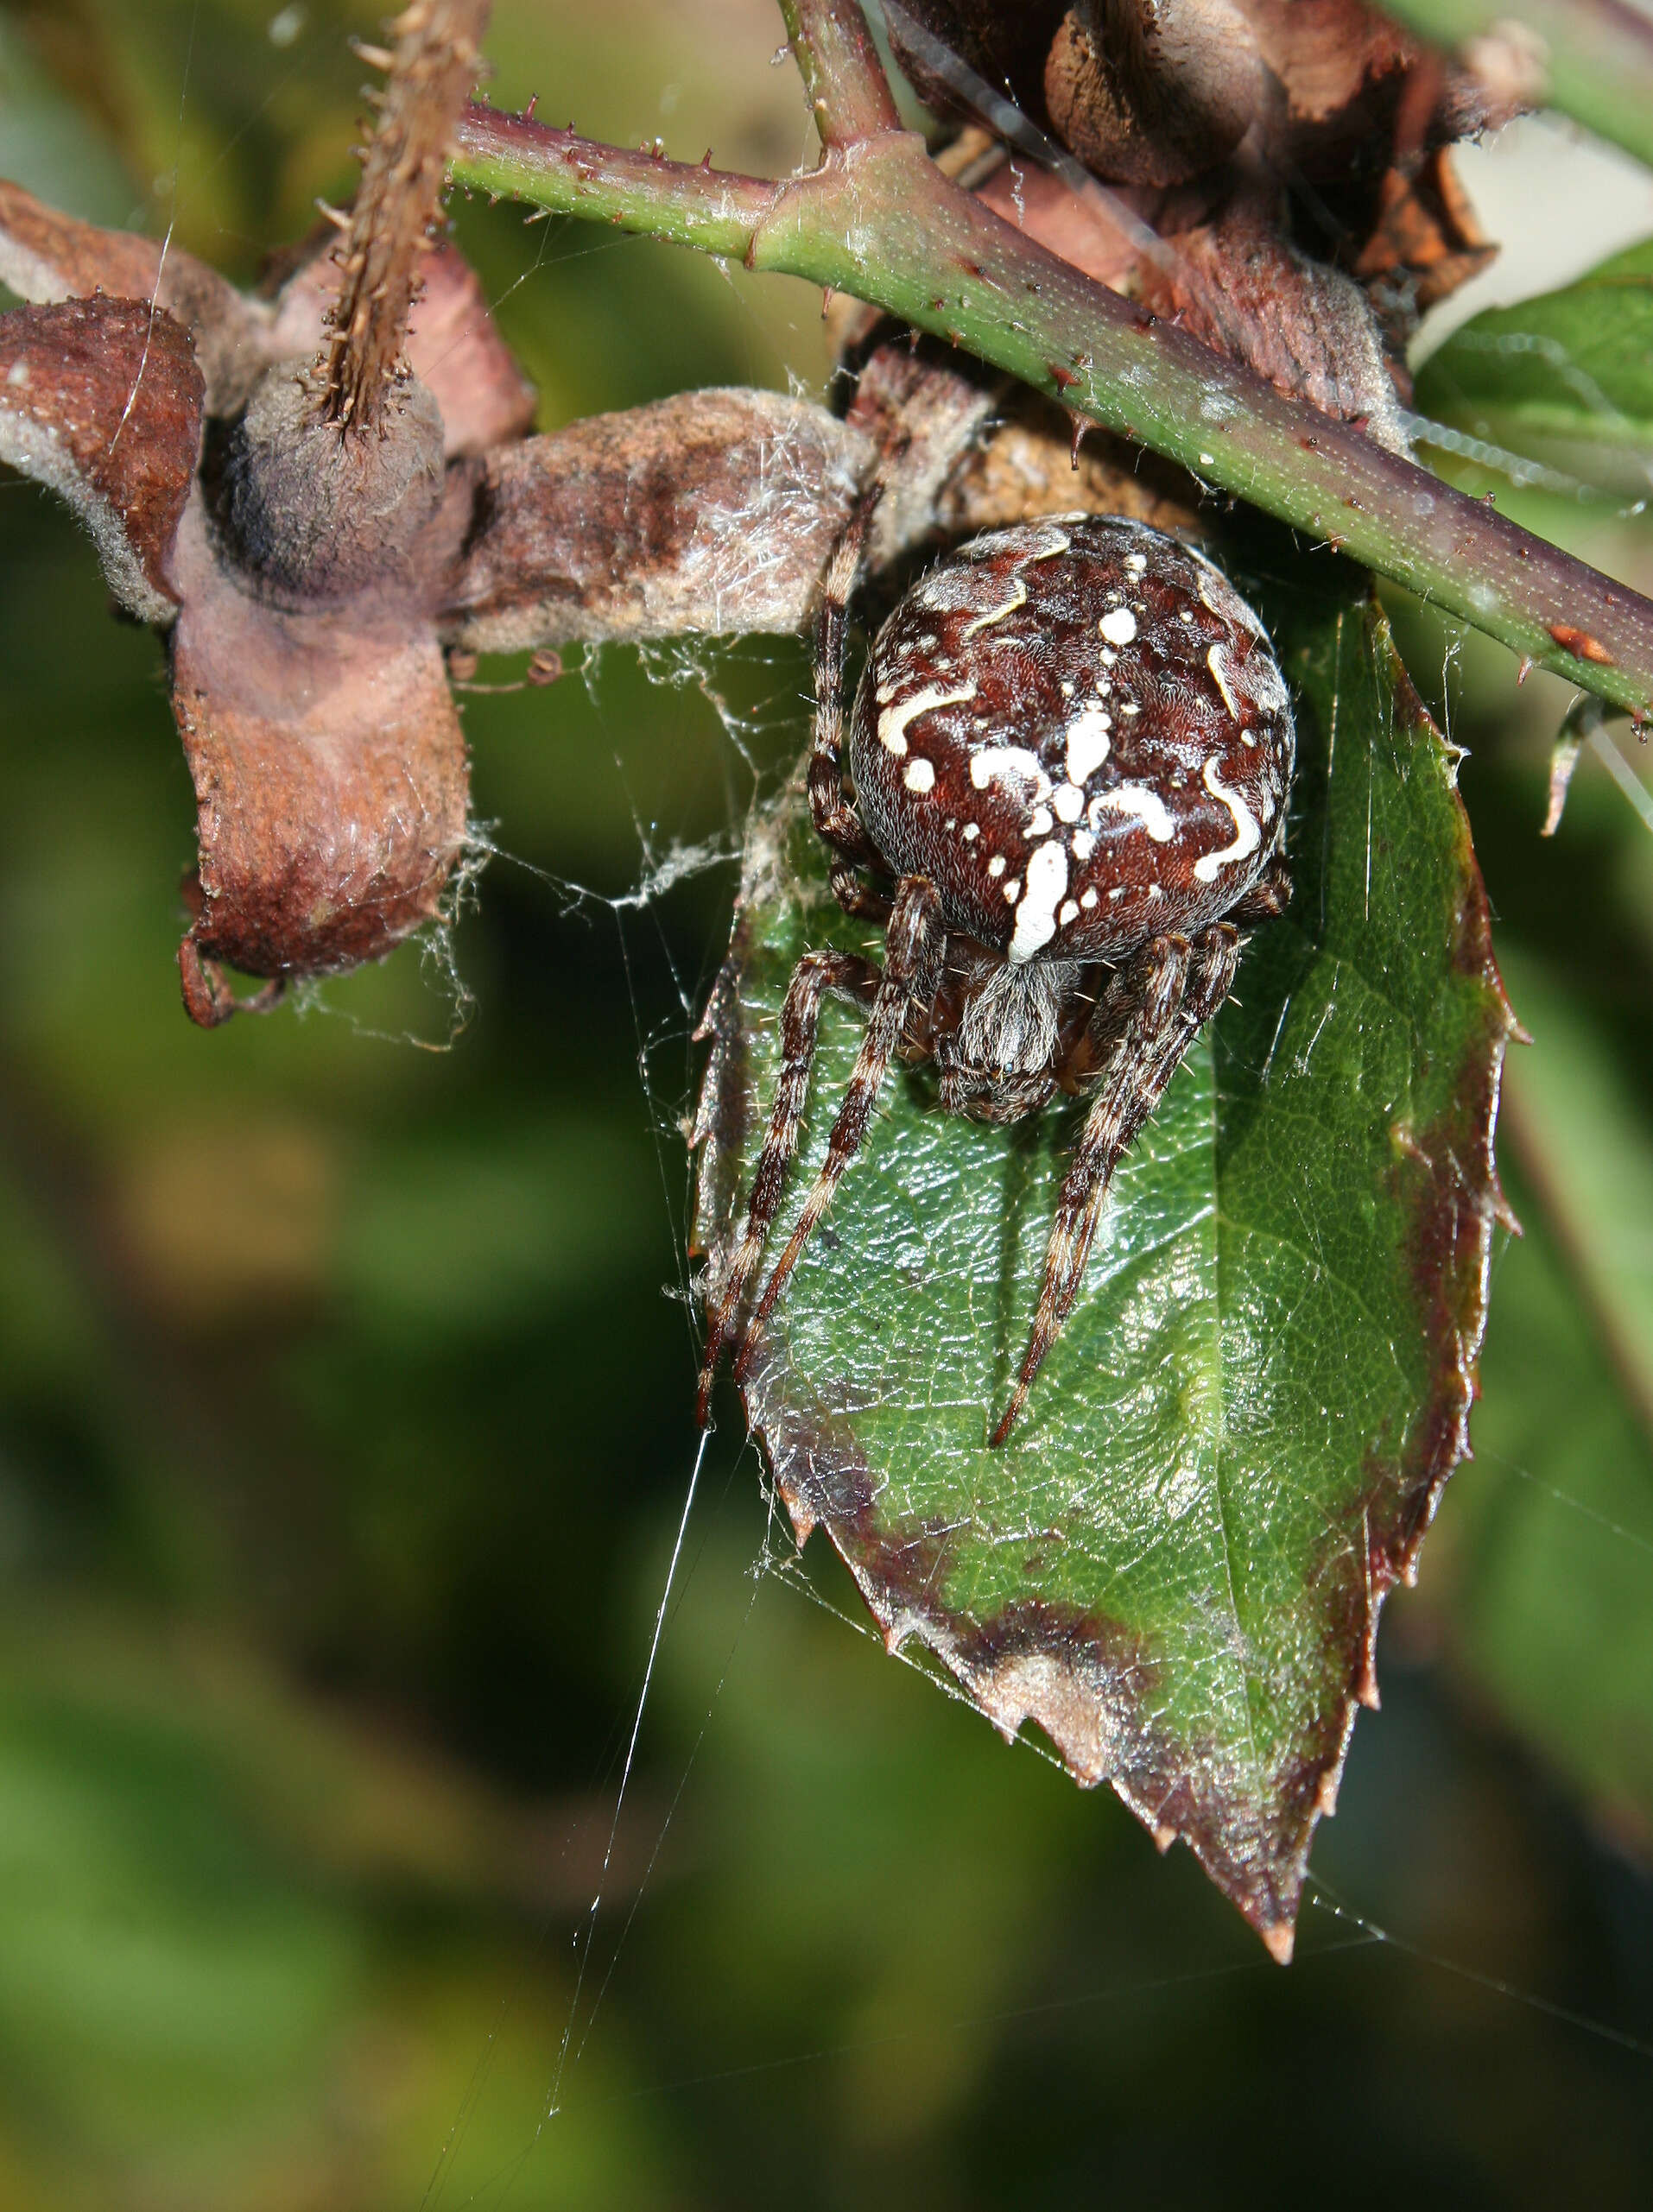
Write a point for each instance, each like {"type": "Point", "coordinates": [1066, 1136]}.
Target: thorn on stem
{"type": "Point", "coordinates": [1580, 644]}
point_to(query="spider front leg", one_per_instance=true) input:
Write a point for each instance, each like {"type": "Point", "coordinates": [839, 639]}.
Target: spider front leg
{"type": "Point", "coordinates": [1174, 987]}
{"type": "Point", "coordinates": [915, 945]}
{"type": "Point", "coordinates": [816, 975]}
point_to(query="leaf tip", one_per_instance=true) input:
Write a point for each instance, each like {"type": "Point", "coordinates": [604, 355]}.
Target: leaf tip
{"type": "Point", "coordinates": [1279, 1941]}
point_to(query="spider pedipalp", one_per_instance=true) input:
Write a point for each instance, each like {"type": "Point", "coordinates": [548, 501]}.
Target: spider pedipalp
{"type": "Point", "coordinates": [1063, 798]}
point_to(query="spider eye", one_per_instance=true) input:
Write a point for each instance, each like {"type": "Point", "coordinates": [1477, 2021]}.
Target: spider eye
{"type": "Point", "coordinates": [1078, 731]}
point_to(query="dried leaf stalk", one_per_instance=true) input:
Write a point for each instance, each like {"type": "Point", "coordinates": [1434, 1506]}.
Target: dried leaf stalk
{"type": "Point", "coordinates": [432, 67]}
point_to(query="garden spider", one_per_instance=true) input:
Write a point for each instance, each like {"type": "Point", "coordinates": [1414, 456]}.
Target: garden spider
{"type": "Point", "coordinates": [1069, 764]}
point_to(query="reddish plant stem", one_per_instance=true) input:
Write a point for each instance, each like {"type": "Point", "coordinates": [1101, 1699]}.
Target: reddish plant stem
{"type": "Point", "coordinates": [849, 94]}
{"type": "Point", "coordinates": [879, 220]}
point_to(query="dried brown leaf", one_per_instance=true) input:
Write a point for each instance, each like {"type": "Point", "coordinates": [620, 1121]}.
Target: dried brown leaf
{"type": "Point", "coordinates": [1236, 284]}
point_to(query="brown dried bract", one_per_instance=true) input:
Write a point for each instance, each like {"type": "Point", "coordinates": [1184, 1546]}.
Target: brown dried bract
{"type": "Point", "coordinates": [1246, 291]}
{"type": "Point", "coordinates": [1424, 243]}
{"type": "Point", "coordinates": [712, 511]}
{"type": "Point", "coordinates": [1153, 96]}
{"type": "Point", "coordinates": [101, 399]}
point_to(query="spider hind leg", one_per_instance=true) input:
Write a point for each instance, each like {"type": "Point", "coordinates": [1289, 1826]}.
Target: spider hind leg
{"type": "Point", "coordinates": [1172, 987]}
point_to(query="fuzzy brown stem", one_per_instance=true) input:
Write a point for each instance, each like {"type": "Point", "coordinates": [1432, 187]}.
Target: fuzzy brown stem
{"type": "Point", "coordinates": [433, 68]}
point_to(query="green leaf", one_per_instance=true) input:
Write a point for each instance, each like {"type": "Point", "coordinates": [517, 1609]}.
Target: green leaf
{"type": "Point", "coordinates": [1175, 1567]}
{"type": "Point", "coordinates": [1549, 1549]}
{"type": "Point", "coordinates": [1568, 376]}
{"type": "Point", "coordinates": [1581, 1138]}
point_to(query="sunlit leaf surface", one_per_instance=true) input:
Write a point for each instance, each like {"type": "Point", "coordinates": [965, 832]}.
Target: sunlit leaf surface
{"type": "Point", "coordinates": [1568, 375]}
{"type": "Point", "coordinates": [1232, 1452]}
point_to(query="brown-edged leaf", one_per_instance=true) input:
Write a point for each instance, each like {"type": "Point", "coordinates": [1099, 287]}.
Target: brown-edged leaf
{"type": "Point", "coordinates": [1175, 1567]}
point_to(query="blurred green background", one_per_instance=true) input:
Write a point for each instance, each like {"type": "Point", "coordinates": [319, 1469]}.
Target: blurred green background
{"type": "Point", "coordinates": [345, 1388]}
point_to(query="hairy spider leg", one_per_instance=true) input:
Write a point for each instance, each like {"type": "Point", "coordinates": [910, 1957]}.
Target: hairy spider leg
{"type": "Point", "coordinates": [855, 895]}
{"type": "Point", "coordinates": [1267, 897]}
{"type": "Point", "coordinates": [914, 947]}
{"type": "Point", "coordinates": [834, 816]}
{"type": "Point", "coordinates": [1174, 986]}
{"type": "Point", "coordinates": [816, 975]}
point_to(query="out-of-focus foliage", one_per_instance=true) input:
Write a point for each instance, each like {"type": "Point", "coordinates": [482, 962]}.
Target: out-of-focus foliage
{"type": "Point", "coordinates": [343, 1429]}
{"type": "Point", "coordinates": [1540, 1569]}
{"type": "Point", "coordinates": [1552, 1562]}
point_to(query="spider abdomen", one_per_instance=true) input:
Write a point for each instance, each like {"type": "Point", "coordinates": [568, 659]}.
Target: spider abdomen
{"type": "Point", "coordinates": [1077, 729]}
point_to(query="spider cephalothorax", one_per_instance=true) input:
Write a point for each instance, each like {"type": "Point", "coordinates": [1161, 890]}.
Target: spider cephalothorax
{"type": "Point", "coordinates": [1065, 797]}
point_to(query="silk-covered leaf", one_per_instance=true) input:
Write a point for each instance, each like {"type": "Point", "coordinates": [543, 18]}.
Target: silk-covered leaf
{"type": "Point", "coordinates": [1175, 1567]}
{"type": "Point", "coordinates": [1568, 375]}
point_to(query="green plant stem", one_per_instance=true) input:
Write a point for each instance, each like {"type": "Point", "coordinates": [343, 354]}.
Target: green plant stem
{"type": "Point", "coordinates": [848, 91]}
{"type": "Point", "coordinates": [877, 219]}
{"type": "Point", "coordinates": [1594, 58]}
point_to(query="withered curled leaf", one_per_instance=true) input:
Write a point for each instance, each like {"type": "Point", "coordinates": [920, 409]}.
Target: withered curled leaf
{"type": "Point", "coordinates": [1253, 156]}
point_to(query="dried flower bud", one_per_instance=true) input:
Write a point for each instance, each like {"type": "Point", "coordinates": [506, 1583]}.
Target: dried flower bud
{"type": "Point", "coordinates": [312, 515]}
